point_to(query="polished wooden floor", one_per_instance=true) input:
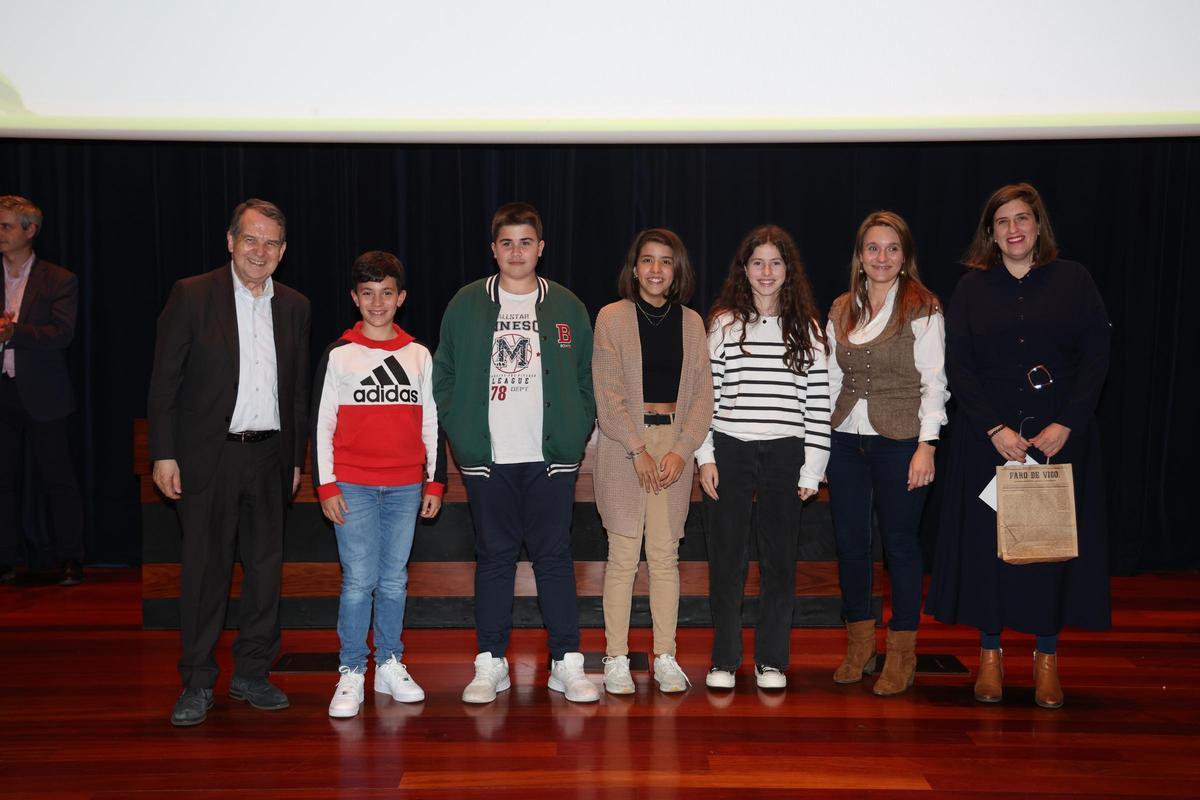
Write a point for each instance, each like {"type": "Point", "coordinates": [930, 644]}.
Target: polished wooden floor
{"type": "Point", "coordinates": [85, 694]}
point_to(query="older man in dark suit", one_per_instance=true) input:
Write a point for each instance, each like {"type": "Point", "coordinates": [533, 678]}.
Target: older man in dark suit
{"type": "Point", "coordinates": [228, 409]}
{"type": "Point", "coordinates": [38, 301]}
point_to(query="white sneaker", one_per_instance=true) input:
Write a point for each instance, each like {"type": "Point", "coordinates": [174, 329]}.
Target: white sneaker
{"type": "Point", "coordinates": [770, 678]}
{"type": "Point", "coordinates": [718, 678]}
{"type": "Point", "coordinates": [348, 695]}
{"type": "Point", "coordinates": [391, 677]}
{"type": "Point", "coordinates": [491, 676]}
{"type": "Point", "coordinates": [617, 679]}
{"type": "Point", "coordinates": [567, 676]}
{"type": "Point", "coordinates": [668, 674]}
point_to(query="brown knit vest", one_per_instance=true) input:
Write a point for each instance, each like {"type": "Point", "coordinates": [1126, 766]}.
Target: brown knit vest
{"type": "Point", "coordinates": [881, 372]}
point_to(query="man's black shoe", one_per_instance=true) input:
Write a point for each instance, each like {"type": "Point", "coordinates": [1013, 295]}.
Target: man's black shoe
{"type": "Point", "coordinates": [258, 692]}
{"type": "Point", "coordinates": [192, 707]}
{"type": "Point", "coordinates": [8, 574]}
{"type": "Point", "coordinates": [72, 573]}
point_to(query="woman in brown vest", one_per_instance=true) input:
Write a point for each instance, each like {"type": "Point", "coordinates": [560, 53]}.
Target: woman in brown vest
{"type": "Point", "coordinates": [888, 383]}
{"type": "Point", "coordinates": [653, 382]}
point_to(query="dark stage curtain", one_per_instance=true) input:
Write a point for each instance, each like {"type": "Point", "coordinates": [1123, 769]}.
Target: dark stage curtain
{"type": "Point", "coordinates": [130, 218]}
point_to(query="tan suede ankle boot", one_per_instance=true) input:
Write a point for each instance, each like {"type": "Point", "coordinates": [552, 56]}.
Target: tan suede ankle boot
{"type": "Point", "coordinates": [1047, 691]}
{"type": "Point", "coordinates": [860, 652]}
{"type": "Point", "coordinates": [899, 664]}
{"type": "Point", "coordinates": [989, 682]}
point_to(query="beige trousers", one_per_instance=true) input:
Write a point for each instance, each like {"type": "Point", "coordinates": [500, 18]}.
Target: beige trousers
{"type": "Point", "coordinates": [662, 558]}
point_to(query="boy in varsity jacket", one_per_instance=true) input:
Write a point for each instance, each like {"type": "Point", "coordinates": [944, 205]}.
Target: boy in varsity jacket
{"type": "Point", "coordinates": [513, 380]}
{"type": "Point", "coordinates": [375, 441]}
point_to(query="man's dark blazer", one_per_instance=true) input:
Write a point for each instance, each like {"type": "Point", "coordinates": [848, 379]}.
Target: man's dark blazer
{"type": "Point", "coordinates": [193, 388]}
{"type": "Point", "coordinates": [45, 327]}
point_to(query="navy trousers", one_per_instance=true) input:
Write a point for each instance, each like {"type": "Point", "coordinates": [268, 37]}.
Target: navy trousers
{"type": "Point", "coordinates": [521, 504]}
{"type": "Point", "coordinates": [867, 473]}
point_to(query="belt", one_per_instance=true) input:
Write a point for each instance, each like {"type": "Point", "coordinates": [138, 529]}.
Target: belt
{"type": "Point", "coordinates": [658, 419]}
{"type": "Point", "coordinates": [249, 437]}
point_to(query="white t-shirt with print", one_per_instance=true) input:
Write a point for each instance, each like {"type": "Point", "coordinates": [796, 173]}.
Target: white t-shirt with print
{"type": "Point", "coordinates": [515, 383]}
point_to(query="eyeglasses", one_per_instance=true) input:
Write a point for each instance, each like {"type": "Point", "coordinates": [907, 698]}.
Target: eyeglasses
{"type": "Point", "coordinates": [1039, 377]}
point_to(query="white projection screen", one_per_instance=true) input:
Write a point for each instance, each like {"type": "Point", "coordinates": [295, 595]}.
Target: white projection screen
{"type": "Point", "coordinates": [615, 71]}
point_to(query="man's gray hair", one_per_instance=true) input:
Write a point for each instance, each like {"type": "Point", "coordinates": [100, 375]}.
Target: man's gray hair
{"type": "Point", "coordinates": [27, 213]}
{"type": "Point", "coordinates": [264, 207]}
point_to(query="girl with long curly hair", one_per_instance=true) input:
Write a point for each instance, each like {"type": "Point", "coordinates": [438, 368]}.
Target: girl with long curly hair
{"type": "Point", "coordinates": [769, 441]}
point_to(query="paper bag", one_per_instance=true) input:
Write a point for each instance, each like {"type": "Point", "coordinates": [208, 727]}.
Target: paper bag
{"type": "Point", "coordinates": [1035, 513]}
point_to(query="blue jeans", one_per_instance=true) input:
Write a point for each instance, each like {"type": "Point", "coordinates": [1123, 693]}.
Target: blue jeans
{"type": "Point", "coordinates": [373, 546]}
{"type": "Point", "coordinates": [866, 473]}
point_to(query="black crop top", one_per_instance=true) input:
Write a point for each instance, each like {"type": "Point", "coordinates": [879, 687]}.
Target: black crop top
{"type": "Point", "coordinates": [661, 333]}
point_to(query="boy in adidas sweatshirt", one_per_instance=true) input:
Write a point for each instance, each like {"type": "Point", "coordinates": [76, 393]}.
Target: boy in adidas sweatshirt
{"type": "Point", "coordinates": [375, 440]}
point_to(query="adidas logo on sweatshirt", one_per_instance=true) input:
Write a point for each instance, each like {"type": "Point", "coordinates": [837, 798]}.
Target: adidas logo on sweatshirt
{"type": "Point", "coordinates": [387, 383]}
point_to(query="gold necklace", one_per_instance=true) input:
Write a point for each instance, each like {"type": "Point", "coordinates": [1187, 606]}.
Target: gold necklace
{"type": "Point", "coordinates": [654, 320]}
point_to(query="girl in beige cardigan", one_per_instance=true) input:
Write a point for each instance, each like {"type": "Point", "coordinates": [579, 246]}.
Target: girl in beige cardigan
{"type": "Point", "coordinates": [653, 388]}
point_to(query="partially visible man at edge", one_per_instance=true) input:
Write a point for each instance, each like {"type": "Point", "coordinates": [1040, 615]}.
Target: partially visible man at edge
{"type": "Point", "coordinates": [38, 304]}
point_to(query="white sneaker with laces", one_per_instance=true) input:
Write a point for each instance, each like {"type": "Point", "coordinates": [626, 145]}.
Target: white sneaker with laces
{"type": "Point", "coordinates": [617, 679]}
{"type": "Point", "coordinates": [669, 676]}
{"type": "Point", "coordinates": [770, 677]}
{"type": "Point", "coordinates": [718, 678]}
{"type": "Point", "coordinates": [491, 676]}
{"type": "Point", "coordinates": [391, 677]}
{"type": "Point", "coordinates": [567, 676]}
{"type": "Point", "coordinates": [348, 695]}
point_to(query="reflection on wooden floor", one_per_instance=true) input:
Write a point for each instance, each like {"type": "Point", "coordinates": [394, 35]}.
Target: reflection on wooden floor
{"type": "Point", "coordinates": [85, 694]}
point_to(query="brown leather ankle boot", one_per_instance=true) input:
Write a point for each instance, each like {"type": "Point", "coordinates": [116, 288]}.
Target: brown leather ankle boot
{"type": "Point", "coordinates": [860, 652]}
{"type": "Point", "coordinates": [989, 683]}
{"type": "Point", "coordinates": [899, 664]}
{"type": "Point", "coordinates": [1047, 691]}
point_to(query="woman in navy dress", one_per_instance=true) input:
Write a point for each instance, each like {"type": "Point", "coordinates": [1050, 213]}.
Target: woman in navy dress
{"type": "Point", "coordinates": [1027, 348]}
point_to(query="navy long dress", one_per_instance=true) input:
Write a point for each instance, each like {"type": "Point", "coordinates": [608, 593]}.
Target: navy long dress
{"type": "Point", "coordinates": [997, 329]}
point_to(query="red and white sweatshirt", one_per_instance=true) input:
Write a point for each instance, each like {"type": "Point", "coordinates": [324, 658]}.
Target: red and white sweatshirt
{"type": "Point", "coordinates": [375, 420]}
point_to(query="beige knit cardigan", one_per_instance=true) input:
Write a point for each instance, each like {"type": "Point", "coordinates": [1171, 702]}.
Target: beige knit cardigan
{"type": "Point", "coordinates": [617, 378]}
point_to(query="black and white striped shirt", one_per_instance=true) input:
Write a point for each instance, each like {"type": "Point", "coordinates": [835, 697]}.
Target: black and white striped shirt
{"type": "Point", "coordinates": [756, 397]}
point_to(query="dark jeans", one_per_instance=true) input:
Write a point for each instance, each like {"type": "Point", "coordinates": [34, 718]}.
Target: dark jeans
{"type": "Point", "coordinates": [47, 441]}
{"type": "Point", "coordinates": [868, 472]}
{"type": "Point", "coordinates": [521, 503]}
{"type": "Point", "coordinates": [769, 469]}
{"type": "Point", "coordinates": [240, 513]}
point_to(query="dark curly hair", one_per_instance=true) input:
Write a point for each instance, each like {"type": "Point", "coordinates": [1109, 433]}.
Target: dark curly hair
{"type": "Point", "coordinates": [799, 318]}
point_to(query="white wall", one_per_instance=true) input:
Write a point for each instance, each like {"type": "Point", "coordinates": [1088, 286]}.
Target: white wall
{"type": "Point", "coordinates": [621, 70]}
